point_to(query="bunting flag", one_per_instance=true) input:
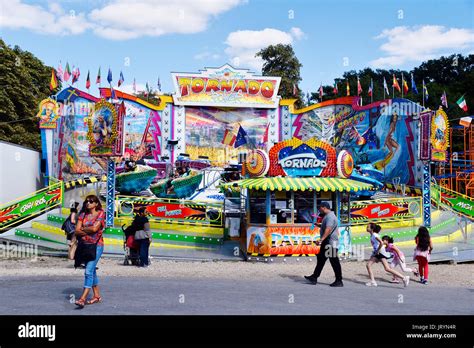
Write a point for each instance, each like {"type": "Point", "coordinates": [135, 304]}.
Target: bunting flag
{"type": "Point", "coordinates": [321, 92]}
{"type": "Point", "coordinates": [75, 75]}
{"type": "Point", "coordinates": [465, 121]}
{"type": "Point", "coordinates": [405, 85]}
{"type": "Point", "coordinates": [395, 84]}
{"type": "Point", "coordinates": [359, 87]}
{"type": "Point", "coordinates": [371, 88]}
{"type": "Point", "coordinates": [88, 80]}
{"type": "Point", "coordinates": [295, 90]}
{"type": "Point", "coordinates": [67, 72]}
{"type": "Point", "coordinates": [112, 93]}
{"type": "Point", "coordinates": [335, 90]}
{"type": "Point", "coordinates": [385, 87]}
{"type": "Point", "coordinates": [159, 84]}
{"type": "Point", "coordinates": [462, 103]}
{"type": "Point", "coordinates": [97, 80]}
{"type": "Point", "coordinates": [54, 82]}
{"type": "Point", "coordinates": [60, 72]}
{"type": "Point", "coordinates": [121, 79]}
{"type": "Point", "coordinates": [241, 138]}
{"type": "Point", "coordinates": [147, 89]}
{"type": "Point", "coordinates": [444, 99]}
{"type": "Point", "coordinates": [109, 77]}
{"type": "Point", "coordinates": [425, 90]}
{"type": "Point", "coordinates": [413, 85]}
{"type": "Point", "coordinates": [134, 86]}
{"type": "Point", "coordinates": [348, 88]}
{"type": "Point", "coordinates": [229, 138]}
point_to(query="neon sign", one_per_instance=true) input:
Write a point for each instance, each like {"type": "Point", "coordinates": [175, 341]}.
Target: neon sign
{"type": "Point", "coordinates": [226, 86]}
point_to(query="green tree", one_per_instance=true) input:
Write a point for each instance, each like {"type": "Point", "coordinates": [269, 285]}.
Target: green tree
{"type": "Point", "coordinates": [24, 82]}
{"type": "Point", "coordinates": [280, 60]}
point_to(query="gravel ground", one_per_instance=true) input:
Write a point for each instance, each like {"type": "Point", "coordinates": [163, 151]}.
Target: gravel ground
{"type": "Point", "coordinates": [460, 275]}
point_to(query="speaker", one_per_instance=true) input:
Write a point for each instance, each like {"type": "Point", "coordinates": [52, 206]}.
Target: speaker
{"type": "Point", "coordinates": [172, 142]}
{"type": "Point", "coordinates": [43, 165]}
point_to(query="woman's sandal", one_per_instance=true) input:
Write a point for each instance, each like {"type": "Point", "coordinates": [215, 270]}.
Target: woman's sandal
{"type": "Point", "coordinates": [94, 300]}
{"type": "Point", "coordinates": [80, 303]}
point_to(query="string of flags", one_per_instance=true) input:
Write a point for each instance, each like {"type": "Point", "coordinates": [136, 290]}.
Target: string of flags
{"type": "Point", "coordinates": [403, 88]}
{"type": "Point", "coordinates": [64, 75]}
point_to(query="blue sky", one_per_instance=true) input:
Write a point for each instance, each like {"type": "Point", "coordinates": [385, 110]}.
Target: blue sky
{"type": "Point", "coordinates": [147, 39]}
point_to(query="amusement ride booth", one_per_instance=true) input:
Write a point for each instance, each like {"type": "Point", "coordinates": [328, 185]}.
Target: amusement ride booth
{"type": "Point", "coordinates": [283, 190]}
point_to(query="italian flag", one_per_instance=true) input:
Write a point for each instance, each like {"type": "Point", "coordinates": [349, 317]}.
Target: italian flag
{"type": "Point", "coordinates": [462, 103]}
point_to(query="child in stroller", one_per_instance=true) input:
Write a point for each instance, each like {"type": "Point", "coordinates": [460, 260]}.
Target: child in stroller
{"type": "Point", "coordinates": [130, 246]}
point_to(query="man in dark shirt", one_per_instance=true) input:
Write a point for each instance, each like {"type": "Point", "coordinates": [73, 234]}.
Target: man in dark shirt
{"type": "Point", "coordinates": [328, 242]}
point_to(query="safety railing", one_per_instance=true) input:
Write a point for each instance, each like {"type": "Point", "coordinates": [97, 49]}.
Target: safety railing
{"type": "Point", "coordinates": [385, 210]}
{"type": "Point", "coordinates": [172, 210]}
{"type": "Point", "coordinates": [459, 203]}
{"type": "Point", "coordinates": [31, 205]}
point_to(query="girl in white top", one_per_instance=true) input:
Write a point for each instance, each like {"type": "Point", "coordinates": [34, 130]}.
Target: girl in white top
{"type": "Point", "coordinates": [379, 254]}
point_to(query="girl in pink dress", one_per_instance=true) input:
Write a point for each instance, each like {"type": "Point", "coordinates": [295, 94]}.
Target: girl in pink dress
{"type": "Point", "coordinates": [398, 258]}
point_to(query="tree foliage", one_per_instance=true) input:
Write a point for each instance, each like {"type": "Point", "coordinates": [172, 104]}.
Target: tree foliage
{"type": "Point", "coordinates": [24, 82]}
{"type": "Point", "coordinates": [280, 60]}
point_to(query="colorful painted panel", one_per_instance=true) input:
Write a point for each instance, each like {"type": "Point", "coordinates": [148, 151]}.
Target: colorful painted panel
{"type": "Point", "coordinates": [276, 240]}
{"type": "Point", "coordinates": [48, 113]}
{"type": "Point", "coordinates": [380, 135]}
{"type": "Point", "coordinates": [206, 130]}
{"type": "Point", "coordinates": [439, 136]}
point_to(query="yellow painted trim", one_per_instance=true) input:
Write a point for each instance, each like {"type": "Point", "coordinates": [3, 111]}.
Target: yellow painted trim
{"type": "Point", "coordinates": [456, 235]}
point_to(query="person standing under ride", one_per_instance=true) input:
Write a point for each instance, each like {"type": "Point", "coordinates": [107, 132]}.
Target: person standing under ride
{"type": "Point", "coordinates": [328, 247]}
{"type": "Point", "coordinates": [143, 236]}
{"type": "Point", "coordinates": [89, 228]}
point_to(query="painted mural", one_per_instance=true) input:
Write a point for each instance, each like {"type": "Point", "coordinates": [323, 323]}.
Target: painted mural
{"type": "Point", "coordinates": [141, 134]}
{"type": "Point", "coordinates": [380, 136]}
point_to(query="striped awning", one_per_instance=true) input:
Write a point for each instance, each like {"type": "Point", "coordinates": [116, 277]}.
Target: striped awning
{"type": "Point", "coordinates": [302, 184]}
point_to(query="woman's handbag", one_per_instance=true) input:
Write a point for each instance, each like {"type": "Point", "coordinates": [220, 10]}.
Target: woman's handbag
{"type": "Point", "coordinates": [85, 252]}
{"type": "Point", "coordinates": [71, 252]}
{"type": "Point", "coordinates": [141, 234]}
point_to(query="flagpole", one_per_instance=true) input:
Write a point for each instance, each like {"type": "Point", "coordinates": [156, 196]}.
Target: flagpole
{"type": "Point", "coordinates": [384, 83]}
{"type": "Point", "coordinates": [402, 85]}
{"type": "Point", "coordinates": [423, 93]}
{"type": "Point", "coordinates": [371, 91]}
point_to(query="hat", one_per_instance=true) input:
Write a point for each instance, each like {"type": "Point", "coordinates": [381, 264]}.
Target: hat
{"type": "Point", "coordinates": [324, 205]}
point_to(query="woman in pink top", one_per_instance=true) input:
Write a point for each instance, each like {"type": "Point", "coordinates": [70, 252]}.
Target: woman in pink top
{"type": "Point", "coordinates": [398, 257]}
{"type": "Point", "coordinates": [90, 228]}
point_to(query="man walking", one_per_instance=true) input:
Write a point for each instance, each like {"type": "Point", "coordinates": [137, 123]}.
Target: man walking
{"type": "Point", "coordinates": [328, 246]}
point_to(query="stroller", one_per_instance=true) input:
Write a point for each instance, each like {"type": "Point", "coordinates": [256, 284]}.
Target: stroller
{"type": "Point", "coordinates": [130, 247]}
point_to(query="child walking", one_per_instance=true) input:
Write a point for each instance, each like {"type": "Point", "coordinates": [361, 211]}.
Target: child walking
{"type": "Point", "coordinates": [398, 258]}
{"type": "Point", "coordinates": [380, 255]}
{"type": "Point", "coordinates": [422, 252]}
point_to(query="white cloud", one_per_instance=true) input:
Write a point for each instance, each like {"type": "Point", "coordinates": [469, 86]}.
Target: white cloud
{"type": "Point", "coordinates": [242, 45]}
{"type": "Point", "coordinates": [207, 56]}
{"type": "Point", "coordinates": [16, 15]}
{"type": "Point", "coordinates": [118, 19]}
{"type": "Point", "coordinates": [125, 19]}
{"type": "Point", "coordinates": [129, 88]}
{"type": "Point", "coordinates": [416, 44]}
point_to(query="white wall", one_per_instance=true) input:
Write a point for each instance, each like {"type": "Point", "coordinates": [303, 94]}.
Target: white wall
{"type": "Point", "coordinates": [19, 171]}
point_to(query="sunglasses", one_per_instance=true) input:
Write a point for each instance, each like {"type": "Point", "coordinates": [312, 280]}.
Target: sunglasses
{"type": "Point", "coordinates": [90, 201]}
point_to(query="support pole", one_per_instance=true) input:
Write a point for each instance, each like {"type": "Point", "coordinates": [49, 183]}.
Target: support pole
{"type": "Point", "coordinates": [426, 194]}
{"type": "Point", "coordinates": [110, 201]}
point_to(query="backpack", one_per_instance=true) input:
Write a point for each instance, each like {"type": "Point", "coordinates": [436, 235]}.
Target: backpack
{"type": "Point", "coordinates": [68, 226]}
